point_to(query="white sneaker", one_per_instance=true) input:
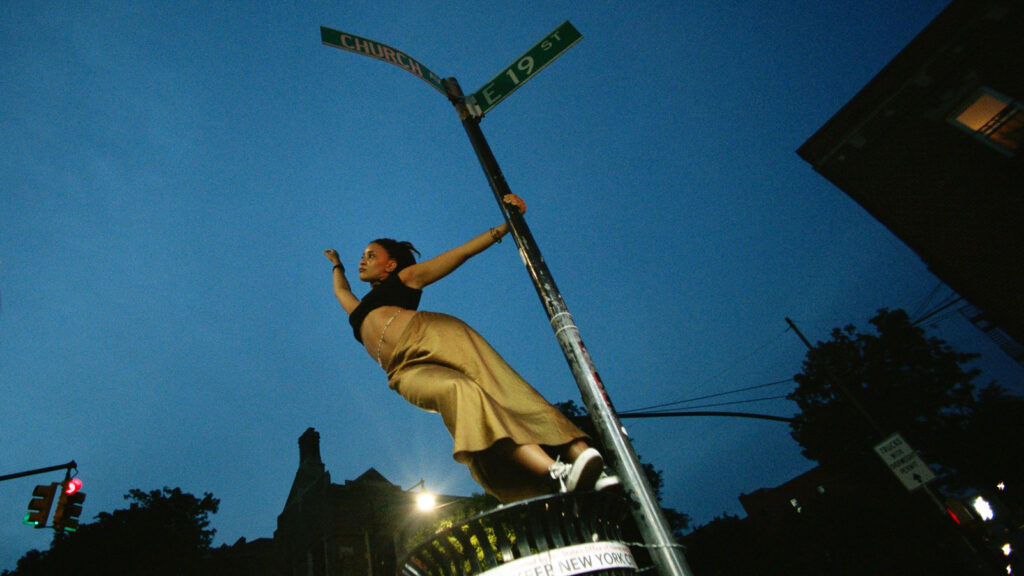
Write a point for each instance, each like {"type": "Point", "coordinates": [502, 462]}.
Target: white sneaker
{"type": "Point", "coordinates": [585, 471]}
{"type": "Point", "coordinates": [559, 471]}
{"type": "Point", "coordinates": [607, 482]}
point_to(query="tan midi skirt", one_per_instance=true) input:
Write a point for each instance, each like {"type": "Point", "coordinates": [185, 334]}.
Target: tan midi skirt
{"type": "Point", "coordinates": [442, 365]}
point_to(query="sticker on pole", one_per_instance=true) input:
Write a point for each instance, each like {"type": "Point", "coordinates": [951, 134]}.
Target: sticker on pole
{"type": "Point", "coordinates": [904, 462]}
{"type": "Point", "coordinates": [373, 49]}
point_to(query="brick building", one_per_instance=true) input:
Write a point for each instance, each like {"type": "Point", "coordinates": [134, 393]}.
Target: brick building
{"type": "Point", "coordinates": [933, 147]}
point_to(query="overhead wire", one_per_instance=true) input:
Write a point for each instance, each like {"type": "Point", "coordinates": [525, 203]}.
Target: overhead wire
{"type": "Point", "coordinates": [734, 402]}
{"type": "Point", "coordinates": [922, 312]}
{"type": "Point", "coordinates": [708, 396]}
{"type": "Point", "coordinates": [919, 310]}
{"type": "Point", "coordinates": [772, 339]}
{"type": "Point", "coordinates": [939, 308]}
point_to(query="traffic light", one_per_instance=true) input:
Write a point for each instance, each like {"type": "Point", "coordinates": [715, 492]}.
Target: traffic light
{"type": "Point", "coordinates": [69, 506]}
{"type": "Point", "coordinates": [72, 486]}
{"type": "Point", "coordinates": [39, 505]}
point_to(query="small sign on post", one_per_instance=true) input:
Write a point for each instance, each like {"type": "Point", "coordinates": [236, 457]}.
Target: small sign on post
{"type": "Point", "coordinates": [904, 462]}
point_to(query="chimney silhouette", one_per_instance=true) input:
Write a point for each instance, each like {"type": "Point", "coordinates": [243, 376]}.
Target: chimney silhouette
{"type": "Point", "coordinates": [309, 447]}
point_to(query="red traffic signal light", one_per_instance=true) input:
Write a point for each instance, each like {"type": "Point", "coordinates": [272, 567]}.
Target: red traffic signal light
{"type": "Point", "coordinates": [72, 486]}
{"type": "Point", "coordinates": [39, 505]}
{"type": "Point", "coordinates": [69, 506]}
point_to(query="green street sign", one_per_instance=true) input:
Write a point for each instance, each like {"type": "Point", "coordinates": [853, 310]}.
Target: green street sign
{"type": "Point", "coordinates": [373, 49]}
{"type": "Point", "coordinates": [524, 68]}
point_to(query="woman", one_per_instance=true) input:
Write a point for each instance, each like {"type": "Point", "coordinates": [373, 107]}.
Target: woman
{"type": "Point", "coordinates": [513, 441]}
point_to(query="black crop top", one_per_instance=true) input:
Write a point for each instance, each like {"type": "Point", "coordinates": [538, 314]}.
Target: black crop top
{"type": "Point", "coordinates": [390, 292]}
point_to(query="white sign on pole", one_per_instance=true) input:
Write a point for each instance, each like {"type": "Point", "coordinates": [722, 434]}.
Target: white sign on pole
{"type": "Point", "coordinates": [904, 462]}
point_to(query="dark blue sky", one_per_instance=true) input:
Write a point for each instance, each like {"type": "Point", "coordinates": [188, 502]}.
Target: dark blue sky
{"type": "Point", "coordinates": [172, 172]}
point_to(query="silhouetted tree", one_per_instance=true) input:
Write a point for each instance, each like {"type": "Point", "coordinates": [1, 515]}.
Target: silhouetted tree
{"type": "Point", "coordinates": [162, 532]}
{"type": "Point", "coordinates": [855, 390]}
{"type": "Point", "coordinates": [858, 388]}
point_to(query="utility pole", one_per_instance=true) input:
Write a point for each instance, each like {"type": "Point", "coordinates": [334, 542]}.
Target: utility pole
{"type": "Point", "coordinates": [840, 386]}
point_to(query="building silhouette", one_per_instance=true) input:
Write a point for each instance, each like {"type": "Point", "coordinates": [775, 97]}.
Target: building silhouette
{"type": "Point", "coordinates": [933, 147]}
{"type": "Point", "coordinates": [833, 521]}
{"type": "Point", "coordinates": [358, 528]}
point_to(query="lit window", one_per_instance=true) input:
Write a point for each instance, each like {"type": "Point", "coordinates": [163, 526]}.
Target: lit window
{"type": "Point", "coordinates": [995, 119]}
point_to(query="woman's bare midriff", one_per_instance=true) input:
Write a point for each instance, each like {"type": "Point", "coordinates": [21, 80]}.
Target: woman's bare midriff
{"type": "Point", "coordinates": [389, 321]}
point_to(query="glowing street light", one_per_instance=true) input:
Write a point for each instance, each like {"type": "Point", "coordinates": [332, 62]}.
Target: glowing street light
{"type": "Point", "coordinates": [426, 501]}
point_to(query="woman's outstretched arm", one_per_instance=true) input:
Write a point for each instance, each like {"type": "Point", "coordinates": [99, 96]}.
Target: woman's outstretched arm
{"type": "Point", "coordinates": [429, 271]}
{"type": "Point", "coordinates": [342, 290]}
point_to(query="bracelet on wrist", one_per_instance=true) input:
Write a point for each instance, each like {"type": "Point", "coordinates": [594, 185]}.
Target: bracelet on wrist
{"type": "Point", "coordinates": [495, 235]}
{"type": "Point", "coordinates": [336, 266]}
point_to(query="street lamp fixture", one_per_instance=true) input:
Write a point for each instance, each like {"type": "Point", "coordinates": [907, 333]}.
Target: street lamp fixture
{"type": "Point", "coordinates": [425, 500]}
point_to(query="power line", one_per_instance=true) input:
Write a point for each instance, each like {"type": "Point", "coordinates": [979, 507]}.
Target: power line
{"type": "Point", "coordinates": [774, 339]}
{"type": "Point", "coordinates": [709, 413]}
{"type": "Point", "coordinates": [951, 301]}
{"type": "Point", "coordinates": [921, 307]}
{"type": "Point", "coordinates": [707, 396]}
{"type": "Point", "coordinates": [735, 402]}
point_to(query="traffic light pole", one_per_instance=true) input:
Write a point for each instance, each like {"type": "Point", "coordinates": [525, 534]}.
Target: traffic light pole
{"type": "Point", "coordinates": [665, 552]}
{"type": "Point", "coordinates": [69, 466]}
{"type": "Point", "coordinates": [43, 495]}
